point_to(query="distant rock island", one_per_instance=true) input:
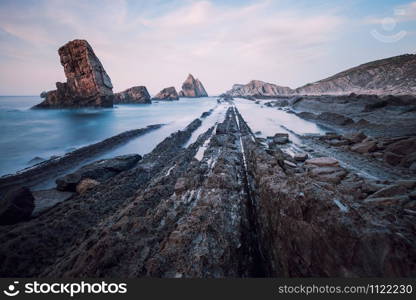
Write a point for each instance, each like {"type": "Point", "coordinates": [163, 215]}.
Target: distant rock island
{"type": "Point", "coordinates": [168, 93]}
{"type": "Point", "coordinates": [257, 88]}
{"type": "Point", "coordinates": [192, 88]}
{"type": "Point", "coordinates": [390, 76]}
{"type": "Point", "coordinates": [136, 94]}
{"type": "Point", "coordinates": [87, 85]}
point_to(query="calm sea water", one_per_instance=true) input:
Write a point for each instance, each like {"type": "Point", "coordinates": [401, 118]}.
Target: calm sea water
{"type": "Point", "coordinates": [27, 133]}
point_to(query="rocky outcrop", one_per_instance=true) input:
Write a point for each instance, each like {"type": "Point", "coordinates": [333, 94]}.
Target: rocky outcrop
{"type": "Point", "coordinates": [133, 95]}
{"type": "Point", "coordinates": [225, 206]}
{"type": "Point", "coordinates": [258, 89]}
{"type": "Point", "coordinates": [87, 85]}
{"type": "Point", "coordinates": [192, 88]}
{"type": "Point", "coordinates": [394, 76]}
{"type": "Point", "coordinates": [168, 93]}
{"type": "Point", "coordinates": [16, 205]}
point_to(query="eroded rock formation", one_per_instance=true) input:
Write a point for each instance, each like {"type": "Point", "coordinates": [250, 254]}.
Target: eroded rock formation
{"type": "Point", "coordinates": [136, 94]}
{"type": "Point", "coordinates": [87, 85]}
{"type": "Point", "coordinates": [168, 93]}
{"type": "Point", "coordinates": [192, 88]}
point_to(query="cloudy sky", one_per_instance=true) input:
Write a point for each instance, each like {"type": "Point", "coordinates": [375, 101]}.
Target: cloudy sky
{"type": "Point", "coordinates": [157, 43]}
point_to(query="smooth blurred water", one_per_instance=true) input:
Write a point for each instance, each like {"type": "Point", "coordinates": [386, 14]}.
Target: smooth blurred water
{"type": "Point", "coordinates": [27, 133]}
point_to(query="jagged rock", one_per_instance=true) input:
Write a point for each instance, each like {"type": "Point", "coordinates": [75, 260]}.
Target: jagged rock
{"type": "Point", "coordinates": [192, 88]}
{"type": "Point", "coordinates": [16, 205]}
{"type": "Point", "coordinates": [87, 85]}
{"type": "Point", "coordinates": [136, 94]}
{"type": "Point", "coordinates": [401, 153]}
{"type": "Point", "coordinates": [100, 171]}
{"type": "Point", "coordinates": [85, 185]}
{"type": "Point", "coordinates": [168, 93]}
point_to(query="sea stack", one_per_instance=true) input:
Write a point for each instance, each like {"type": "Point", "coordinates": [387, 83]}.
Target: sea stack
{"type": "Point", "coordinates": [87, 84]}
{"type": "Point", "coordinates": [192, 88]}
{"type": "Point", "coordinates": [136, 94]}
{"type": "Point", "coordinates": [168, 93]}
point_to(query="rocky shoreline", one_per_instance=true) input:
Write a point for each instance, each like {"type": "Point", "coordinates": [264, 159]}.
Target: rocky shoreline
{"type": "Point", "coordinates": [228, 205]}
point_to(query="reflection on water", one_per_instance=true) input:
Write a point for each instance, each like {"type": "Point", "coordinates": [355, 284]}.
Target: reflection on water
{"type": "Point", "coordinates": [27, 133]}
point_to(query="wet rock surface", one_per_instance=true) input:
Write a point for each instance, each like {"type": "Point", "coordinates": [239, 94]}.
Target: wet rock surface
{"type": "Point", "coordinates": [133, 95]}
{"type": "Point", "coordinates": [87, 85]}
{"type": "Point", "coordinates": [241, 209]}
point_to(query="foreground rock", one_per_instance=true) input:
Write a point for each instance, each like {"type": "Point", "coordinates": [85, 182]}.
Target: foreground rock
{"type": "Point", "coordinates": [133, 95]}
{"type": "Point", "coordinates": [192, 88]}
{"type": "Point", "coordinates": [87, 85]}
{"type": "Point", "coordinates": [16, 205]}
{"type": "Point", "coordinates": [168, 93]}
{"type": "Point", "coordinates": [225, 206]}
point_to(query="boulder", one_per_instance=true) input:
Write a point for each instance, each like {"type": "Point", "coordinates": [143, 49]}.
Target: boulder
{"type": "Point", "coordinates": [279, 139]}
{"type": "Point", "coordinates": [392, 158]}
{"type": "Point", "coordinates": [403, 147]}
{"type": "Point", "coordinates": [356, 137]}
{"type": "Point", "coordinates": [192, 88]}
{"type": "Point", "coordinates": [168, 93]}
{"type": "Point", "coordinates": [87, 85]}
{"type": "Point", "coordinates": [100, 171]}
{"type": "Point", "coordinates": [46, 199]}
{"type": "Point", "coordinates": [328, 174]}
{"type": "Point", "coordinates": [85, 185]}
{"type": "Point", "coordinates": [136, 94]}
{"type": "Point", "coordinates": [323, 162]}
{"type": "Point", "coordinates": [16, 205]}
{"type": "Point", "coordinates": [389, 191]}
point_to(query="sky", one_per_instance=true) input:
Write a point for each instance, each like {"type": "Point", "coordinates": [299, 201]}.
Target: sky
{"type": "Point", "coordinates": [157, 43]}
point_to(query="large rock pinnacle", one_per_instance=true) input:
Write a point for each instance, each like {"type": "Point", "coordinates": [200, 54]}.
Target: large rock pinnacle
{"type": "Point", "coordinates": [87, 85]}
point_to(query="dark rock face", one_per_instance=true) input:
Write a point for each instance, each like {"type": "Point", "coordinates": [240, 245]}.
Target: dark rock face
{"type": "Point", "coordinates": [192, 88]}
{"type": "Point", "coordinates": [136, 94]}
{"type": "Point", "coordinates": [168, 93]}
{"type": "Point", "coordinates": [16, 205]}
{"type": "Point", "coordinates": [87, 85]}
{"type": "Point", "coordinates": [100, 171]}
